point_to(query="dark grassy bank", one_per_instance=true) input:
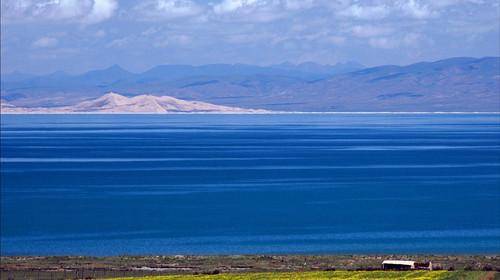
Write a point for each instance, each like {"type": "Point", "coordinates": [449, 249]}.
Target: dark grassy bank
{"type": "Point", "coordinates": [135, 266]}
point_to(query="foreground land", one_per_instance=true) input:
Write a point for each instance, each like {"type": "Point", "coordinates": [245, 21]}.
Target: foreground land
{"type": "Point", "coordinates": [324, 275]}
{"type": "Point", "coordinates": [244, 267]}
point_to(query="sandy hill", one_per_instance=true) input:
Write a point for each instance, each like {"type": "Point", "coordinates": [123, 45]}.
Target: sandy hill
{"type": "Point", "coordinates": [116, 103]}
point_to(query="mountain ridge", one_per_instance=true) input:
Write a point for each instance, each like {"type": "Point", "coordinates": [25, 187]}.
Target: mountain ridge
{"type": "Point", "coordinates": [453, 84]}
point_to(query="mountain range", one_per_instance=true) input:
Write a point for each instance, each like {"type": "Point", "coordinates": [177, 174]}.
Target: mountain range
{"type": "Point", "coordinates": [455, 84]}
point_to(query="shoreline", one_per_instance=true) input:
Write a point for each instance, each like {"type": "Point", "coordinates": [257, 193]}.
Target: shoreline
{"type": "Point", "coordinates": [260, 113]}
{"type": "Point", "coordinates": [196, 264]}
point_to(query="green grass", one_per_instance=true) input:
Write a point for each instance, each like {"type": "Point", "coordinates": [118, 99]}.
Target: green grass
{"type": "Point", "coordinates": [323, 275]}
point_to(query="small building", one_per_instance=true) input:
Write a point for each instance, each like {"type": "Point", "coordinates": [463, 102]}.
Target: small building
{"type": "Point", "coordinates": [423, 265]}
{"type": "Point", "coordinates": [398, 265]}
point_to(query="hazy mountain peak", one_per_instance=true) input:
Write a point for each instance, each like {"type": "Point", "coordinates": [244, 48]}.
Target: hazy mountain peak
{"type": "Point", "coordinates": [116, 67]}
{"type": "Point", "coordinates": [58, 74]}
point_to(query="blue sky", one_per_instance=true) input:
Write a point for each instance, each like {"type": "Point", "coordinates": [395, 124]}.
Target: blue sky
{"type": "Point", "coordinates": [78, 35]}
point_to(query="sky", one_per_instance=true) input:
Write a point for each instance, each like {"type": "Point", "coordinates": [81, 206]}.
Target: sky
{"type": "Point", "coordinates": [79, 35]}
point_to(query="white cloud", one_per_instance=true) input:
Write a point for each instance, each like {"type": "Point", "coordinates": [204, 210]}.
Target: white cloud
{"type": "Point", "coordinates": [259, 10]}
{"type": "Point", "coordinates": [299, 4]}
{"type": "Point", "coordinates": [383, 43]}
{"type": "Point", "coordinates": [150, 31]}
{"type": "Point", "coordinates": [416, 9]}
{"type": "Point", "coordinates": [173, 40]}
{"type": "Point", "coordinates": [48, 9]}
{"type": "Point", "coordinates": [168, 9]}
{"type": "Point", "coordinates": [101, 10]}
{"type": "Point", "coordinates": [412, 39]}
{"type": "Point", "coordinates": [366, 31]}
{"type": "Point", "coordinates": [153, 36]}
{"type": "Point", "coordinates": [85, 11]}
{"type": "Point", "coordinates": [335, 40]}
{"type": "Point", "coordinates": [247, 38]}
{"type": "Point", "coordinates": [407, 40]}
{"type": "Point", "coordinates": [227, 6]}
{"type": "Point", "coordinates": [446, 3]}
{"type": "Point", "coordinates": [100, 33]}
{"type": "Point", "coordinates": [45, 42]}
{"type": "Point", "coordinates": [63, 9]}
{"type": "Point", "coordinates": [366, 12]}
{"type": "Point", "coordinates": [118, 43]}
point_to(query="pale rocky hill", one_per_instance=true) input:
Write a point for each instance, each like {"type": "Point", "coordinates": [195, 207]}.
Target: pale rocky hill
{"type": "Point", "coordinates": [5, 104]}
{"type": "Point", "coordinates": [116, 103]}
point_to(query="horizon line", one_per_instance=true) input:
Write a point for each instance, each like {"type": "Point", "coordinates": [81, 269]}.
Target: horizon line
{"type": "Point", "coordinates": [264, 113]}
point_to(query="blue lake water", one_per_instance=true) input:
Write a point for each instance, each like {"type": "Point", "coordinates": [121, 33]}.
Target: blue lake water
{"type": "Point", "coordinates": [244, 184]}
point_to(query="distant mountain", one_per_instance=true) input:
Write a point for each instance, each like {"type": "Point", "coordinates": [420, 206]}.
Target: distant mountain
{"type": "Point", "coordinates": [62, 89]}
{"type": "Point", "coordinates": [104, 77]}
{"type": "Point", "coordinates": [116, 103]}
{"type": "Point", "coordinates": [326, 70]}
{"type": "Point", "coordinates": [458, 84]}
{"type": "Point", "coordinates": [455, 84]}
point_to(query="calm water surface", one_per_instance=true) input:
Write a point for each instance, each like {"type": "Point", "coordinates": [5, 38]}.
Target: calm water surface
{"type": "Point", "coordinates": [240, 184]}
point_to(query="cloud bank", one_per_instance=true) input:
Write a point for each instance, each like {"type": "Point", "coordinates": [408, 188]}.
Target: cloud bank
{"type": "Point", "coordinates": [143, 33]}
{"type": "Point", "coordinates": [84, 11]}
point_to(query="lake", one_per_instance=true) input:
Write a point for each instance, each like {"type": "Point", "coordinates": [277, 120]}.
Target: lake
{"type": "Point", "coordinates": [250, 184]}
